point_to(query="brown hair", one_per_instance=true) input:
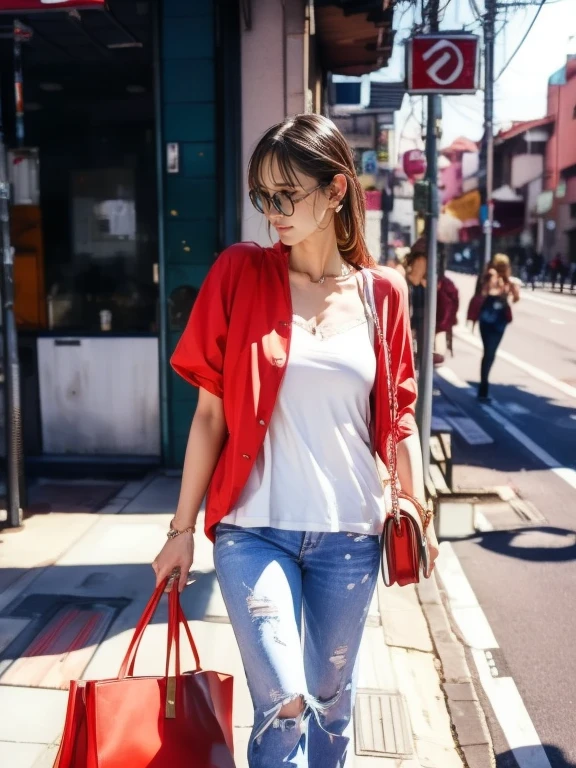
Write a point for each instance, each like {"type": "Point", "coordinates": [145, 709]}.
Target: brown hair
{"type": "Point", "coordinates": [501, 265]}
{"type": "Point", "coordinates": [313, 145]}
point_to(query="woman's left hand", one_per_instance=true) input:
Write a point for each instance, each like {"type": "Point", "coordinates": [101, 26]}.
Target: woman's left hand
{"type": "Point", "coordinates": [433, 546]}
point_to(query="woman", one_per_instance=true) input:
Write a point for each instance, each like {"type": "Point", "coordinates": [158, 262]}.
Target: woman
{"type": "Point", "coordinates": [447, 301]}
{"type": "Point", "coordinates": [292, 394]}
{"type": "Point", "coordinates": [498, 289]}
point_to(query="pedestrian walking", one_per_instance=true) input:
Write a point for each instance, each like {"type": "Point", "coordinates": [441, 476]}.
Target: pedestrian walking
{"type": "Point", "coordinates": [293, 388]}
{"type": "Point", "coordinates": [447, 301]}
{"type": "Point", "coordinates": [558, 271]}
{"type": "Point", "coordinates": [572, 277]}
{"type": "Point", "coordinates": [498, 290]}
{"type": "Point", "coordinates": [534, 268]}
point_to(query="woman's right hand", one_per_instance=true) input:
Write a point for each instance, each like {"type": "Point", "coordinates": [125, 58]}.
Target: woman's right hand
{"type": "Point", "coordinates": [177, 553]}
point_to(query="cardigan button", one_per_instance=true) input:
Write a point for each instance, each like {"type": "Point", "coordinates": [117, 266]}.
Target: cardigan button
{"type": "Point", "coordinates": [245, 456]}
{"type": "Point", "coordinates": [262, 423]}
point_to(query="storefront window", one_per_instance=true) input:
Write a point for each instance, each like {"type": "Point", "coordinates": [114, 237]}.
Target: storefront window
{"type": "Point", "coordinates": [89, 114]}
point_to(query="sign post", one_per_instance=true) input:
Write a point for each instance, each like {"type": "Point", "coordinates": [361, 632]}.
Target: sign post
{"type": "Point", "coordinates": [437, 63]}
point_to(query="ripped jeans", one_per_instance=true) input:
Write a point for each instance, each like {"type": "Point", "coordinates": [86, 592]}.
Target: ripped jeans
{"type": "Point", "coordinates": [273, 581]}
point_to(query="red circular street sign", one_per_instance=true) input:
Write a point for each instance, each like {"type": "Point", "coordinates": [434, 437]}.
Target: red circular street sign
{"type": "Point", "coordinates": [414, 164]}
{"type": "Point", "coordinates": [442, 63]}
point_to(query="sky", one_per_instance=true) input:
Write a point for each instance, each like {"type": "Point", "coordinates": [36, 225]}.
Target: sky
{"type": "Point", "coordinates": [520, 94]}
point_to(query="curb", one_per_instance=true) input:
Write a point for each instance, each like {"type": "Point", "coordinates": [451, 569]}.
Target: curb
{"type": "Point", "coordinates": [468, 718]}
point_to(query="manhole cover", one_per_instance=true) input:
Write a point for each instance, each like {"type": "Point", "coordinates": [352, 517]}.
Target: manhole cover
{"type": "Point", "coordinates": [58, 641]}
{"type": "Point", "coordinates": [382, 726]}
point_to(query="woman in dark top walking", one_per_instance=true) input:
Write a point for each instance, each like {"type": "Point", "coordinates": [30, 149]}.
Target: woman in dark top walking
{"type": "Point", "coordinates": [498, 290]}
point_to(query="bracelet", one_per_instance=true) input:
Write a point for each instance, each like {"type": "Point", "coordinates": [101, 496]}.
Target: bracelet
{"type": "Point", "coordinates": [174, 532]}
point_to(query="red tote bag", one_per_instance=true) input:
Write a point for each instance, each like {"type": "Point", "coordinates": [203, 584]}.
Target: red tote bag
{"type": "Point", "coordinates": [174, 721]}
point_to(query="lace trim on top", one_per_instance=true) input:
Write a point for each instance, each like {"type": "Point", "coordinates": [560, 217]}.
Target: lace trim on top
{"type": "Point", "coordinates": [327, 330]}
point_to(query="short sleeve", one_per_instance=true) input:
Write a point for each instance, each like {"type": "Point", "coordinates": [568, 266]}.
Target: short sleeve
{"type": "Point", "coordinates": [199, 354]}
{"type": "Point", "coordinates": [400, 341]}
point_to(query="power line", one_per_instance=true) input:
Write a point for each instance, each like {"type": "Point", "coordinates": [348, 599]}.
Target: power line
{"type": "Point", "coordinates": [521, 43]}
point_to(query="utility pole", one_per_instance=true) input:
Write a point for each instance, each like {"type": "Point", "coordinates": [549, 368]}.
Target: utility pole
{"type": "Point", "coordinates": [426, 379]}
{"type": "Point", "coordinates": [487, 158]}
{"type": "Point", "coordinates": [15, 484]}
{"type": "Point", "coordinates": [12, 412]}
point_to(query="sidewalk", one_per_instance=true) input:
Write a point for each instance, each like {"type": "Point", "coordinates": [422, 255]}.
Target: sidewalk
{"type": "Point", "coordinates": [408, 677]}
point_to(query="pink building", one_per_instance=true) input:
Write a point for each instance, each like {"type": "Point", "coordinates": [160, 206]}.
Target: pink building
{"type": "Point", "coordinates": [456, 178]}
{"type": "Point", "coordinates": [558, 202]}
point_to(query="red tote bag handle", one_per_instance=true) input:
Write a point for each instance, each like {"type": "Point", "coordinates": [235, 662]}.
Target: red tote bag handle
{"type": "Point", "coordinates": [176, 618]}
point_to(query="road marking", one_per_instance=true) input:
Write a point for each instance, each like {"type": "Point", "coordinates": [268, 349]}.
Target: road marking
{"type": "Point", "coordinates": [515, 408]}
{"type": "Point", "coordinates": [468, 615]}
{"type": "Point", "coordinates": [564, 473]}
{"type": "Point", "coordinates": [502, 692]}
{"type": "Point", "coordinates": [536, 373]}
{"type": "Point", "coordinates": [547, 303]}
{"type": "Point", "coordinates": [512, 715]}
{"type": "Point", "coordinates": [451, 377]}
{"type": "Point", "coordinates": [557, 322]}
{"type": "Point", "coordinates": [470, 430]}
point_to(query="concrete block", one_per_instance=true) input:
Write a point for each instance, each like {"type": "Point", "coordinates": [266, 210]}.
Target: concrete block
{"type": "Point", "coordinates": [119, 540]}
{"type": "Point", "coordinates": [453, 659]}
{"type": "Point", "coordinates": [9, 631]}
{"type": "Point", "coordinates": [433, 755]}
{"type": "Point", "coordinates": [460, 691]}
{"type": "Point", "coordinates": [47, 757]}
{"type": "Point", "coordinates": [42, 541]}
{"type": "Point", "coordinates": [31, 715]}
{"type": "Point", "coordinates": [241, 738]}
{"type": "Point", "coordinates": [481, 756]}
{"type": "Point", "coordinates": [428, 592]}
{"type": "Point", "coordinates": [418, 680]}
{"type": "Point", "coordinates": [468, 721]}
{"type": "Point", "coordinates": [439, 624]}
{"type": "Point", "coordinates": [113, 507]}
{"type": "Point", "coordinates": [402, 619]}
{"type": "Point", "coordinates": [13, 755]}
{"type": "Point", "coordinates": [161, 495]}
{"type": "Point", "coordinates": [375, 663]}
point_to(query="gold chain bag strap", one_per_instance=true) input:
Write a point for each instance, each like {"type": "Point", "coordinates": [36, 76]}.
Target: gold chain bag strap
{"type": "Point", "coordinates": [403, 543]}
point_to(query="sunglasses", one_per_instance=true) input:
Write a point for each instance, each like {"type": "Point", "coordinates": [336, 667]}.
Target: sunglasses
{"type": "Point", "coordinates": [283, 202]}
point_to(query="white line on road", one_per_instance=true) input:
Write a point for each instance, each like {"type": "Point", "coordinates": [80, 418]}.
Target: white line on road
{"type": "Point", "coordinates": [557, 322]}
{"type": "Point", "coordinates": [502, 692]}
{"type": "Point", "coordinates": [564, 473]}
{"type": "Point", "coordinates": [466, 335]}
{"type": "Point", "coordinates": [468, 615]}
{"type": "Point", "coordinates": [547, 303]}
{"type": "Point", "coordinates": [512, 715]}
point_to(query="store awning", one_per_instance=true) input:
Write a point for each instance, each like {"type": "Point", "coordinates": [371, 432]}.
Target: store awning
{"type": "Point", "coordinates": [354, 36]}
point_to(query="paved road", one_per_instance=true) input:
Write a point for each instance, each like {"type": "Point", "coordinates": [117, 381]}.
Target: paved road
{"type": "Point", "coordinates": [526, 583]}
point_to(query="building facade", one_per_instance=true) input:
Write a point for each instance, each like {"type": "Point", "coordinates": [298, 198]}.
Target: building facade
{"type": "Point", "coordinates": [128, 155]}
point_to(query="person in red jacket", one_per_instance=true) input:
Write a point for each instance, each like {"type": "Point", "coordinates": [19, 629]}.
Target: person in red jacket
{"type": "Point", "coordinates": [447, 302]}
{"type": "Point", "coordinates": [284, 345]}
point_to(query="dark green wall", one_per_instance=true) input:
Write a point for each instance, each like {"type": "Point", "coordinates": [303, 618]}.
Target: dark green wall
{"type": "Point", "coordinates": [188, 108]}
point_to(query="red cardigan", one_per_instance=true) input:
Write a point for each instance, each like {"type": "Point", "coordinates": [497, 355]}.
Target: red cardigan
{"type": "Point", "coordinates": [236, 345]}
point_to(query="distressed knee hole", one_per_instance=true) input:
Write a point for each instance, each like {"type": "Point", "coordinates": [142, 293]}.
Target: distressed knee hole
{"type": "Point", "coordinates": [339, 657]}
{"type": "Point", "coordinates": [292, 709]}
{"type": "Point", "coordinates": [260, 606]}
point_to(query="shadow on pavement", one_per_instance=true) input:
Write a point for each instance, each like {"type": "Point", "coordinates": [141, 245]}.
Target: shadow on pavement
{"type": "Point", "coordinates": [90, 584]}
{"type": "Point", "coordinates": [502, 543]}
{"type": "Point", "coordinates": [551, 425]}
{"type": "Point", "coordinates": [524, 756]}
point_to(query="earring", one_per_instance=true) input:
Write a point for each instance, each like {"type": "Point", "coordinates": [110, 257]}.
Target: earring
{"type": "Point", "coordinates": [339, 208]}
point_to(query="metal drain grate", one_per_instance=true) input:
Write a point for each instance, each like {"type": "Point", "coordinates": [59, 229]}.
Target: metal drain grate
{"type": "Point", "coordinates": [382, 726]}
{"type": "Point", "coordinates": [58, 641]}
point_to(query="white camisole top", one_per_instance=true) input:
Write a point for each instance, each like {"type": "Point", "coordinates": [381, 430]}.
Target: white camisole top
{"type": "Point", "coordinates": [316, 471]}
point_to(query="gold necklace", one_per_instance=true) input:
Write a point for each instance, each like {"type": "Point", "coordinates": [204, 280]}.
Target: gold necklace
{"type": "Point", "coordinates": [345, 270]}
